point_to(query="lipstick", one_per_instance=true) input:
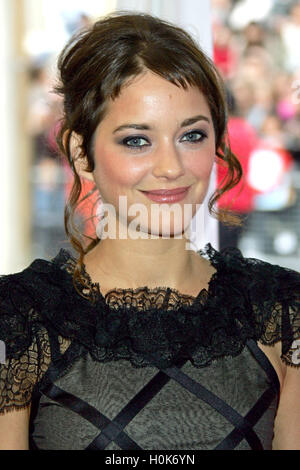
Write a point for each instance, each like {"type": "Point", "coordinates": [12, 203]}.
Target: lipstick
{"type": "Point", "coordinates": [167, 195]}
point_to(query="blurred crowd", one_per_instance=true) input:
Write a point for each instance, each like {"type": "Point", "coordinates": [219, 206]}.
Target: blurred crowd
{"type": "Point", "coordinates": [51, 174]}
{"type": "Point", "coordinates": [260, 62]}
{"type": "Point", "coordinates": [256, 48]}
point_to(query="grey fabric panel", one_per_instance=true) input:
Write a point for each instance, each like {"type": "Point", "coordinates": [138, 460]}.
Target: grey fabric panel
{"type": "Point", "coordinates": [174, 419]}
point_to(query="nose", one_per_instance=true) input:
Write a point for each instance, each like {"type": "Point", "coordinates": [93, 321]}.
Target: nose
{"type": "Point", "coordinates": [168, 162]}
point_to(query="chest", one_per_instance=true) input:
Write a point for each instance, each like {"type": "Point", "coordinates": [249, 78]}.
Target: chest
{"type": "Point", "coordinates": [195, 408]}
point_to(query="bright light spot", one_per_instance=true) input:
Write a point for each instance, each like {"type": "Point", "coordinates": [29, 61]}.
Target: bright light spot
{"type": "Point", "coordinates": [285, 243]}
{"type": "Point", "coordinates": [266, 169]}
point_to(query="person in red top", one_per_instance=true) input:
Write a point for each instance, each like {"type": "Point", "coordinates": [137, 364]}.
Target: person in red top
{"type": "Point", "coordinates": [243, 140]}
{"type": "Point", "coordinates": [225, 55]}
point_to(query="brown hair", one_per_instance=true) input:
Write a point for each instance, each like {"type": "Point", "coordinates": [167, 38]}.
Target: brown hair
{"type": "Point", "coordinates": [94, 66]}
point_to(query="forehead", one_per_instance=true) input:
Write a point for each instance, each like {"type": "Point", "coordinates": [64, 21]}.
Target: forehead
{"type": "Point", "coordinates": [150, 93]}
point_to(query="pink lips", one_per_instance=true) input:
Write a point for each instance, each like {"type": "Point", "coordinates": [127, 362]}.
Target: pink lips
{"type": "Point", "coordinates": [167, 195]}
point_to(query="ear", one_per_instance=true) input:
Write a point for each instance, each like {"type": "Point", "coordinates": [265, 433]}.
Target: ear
{"type": "Point", "coordinates": [80, 160]}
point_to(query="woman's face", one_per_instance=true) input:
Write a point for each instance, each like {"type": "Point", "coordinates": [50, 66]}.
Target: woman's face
{"type": "Point", "coordinates": [154, 136]}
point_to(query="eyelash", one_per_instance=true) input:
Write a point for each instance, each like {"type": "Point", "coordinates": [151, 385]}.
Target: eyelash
{"type": "Point", "coordinates": [140, 147]}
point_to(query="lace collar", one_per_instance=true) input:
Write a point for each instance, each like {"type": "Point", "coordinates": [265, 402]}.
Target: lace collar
{"type": "Point", "coordinates": [246, 298]}
{"type": "Point", "coordinates": [141, 298]}
{"type": "Point", "coordinates": [172, 326]}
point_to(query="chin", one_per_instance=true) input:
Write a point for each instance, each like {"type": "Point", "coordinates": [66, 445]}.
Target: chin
{"type": "Point", "coordinates": [174, 229]}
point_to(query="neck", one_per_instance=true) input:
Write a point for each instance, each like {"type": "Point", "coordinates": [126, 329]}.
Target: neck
{"type": "Point", "coordinates": [137, 263]}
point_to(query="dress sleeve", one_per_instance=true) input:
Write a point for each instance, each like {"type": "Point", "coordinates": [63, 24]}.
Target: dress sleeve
{"type": "Point", "coordinates": [25, 348]}
{"type": "Point", "coordinates": [283, 322]}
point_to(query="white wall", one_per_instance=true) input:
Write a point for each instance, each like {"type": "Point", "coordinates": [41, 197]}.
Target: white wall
{"type": "Point", "coordinates": [8, 195]}
{"type": "Point", "coordinates": [44, 23]}
{"type": "Point", "coordinates": [195, 17]}
{"type": "Point", "coordinates": [15, 193]}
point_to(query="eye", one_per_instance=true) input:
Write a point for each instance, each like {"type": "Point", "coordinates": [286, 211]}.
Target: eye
{"type": "Point", "coordinates": [135, 142]}
{"type": "Point", "coordinates": [194, 137]}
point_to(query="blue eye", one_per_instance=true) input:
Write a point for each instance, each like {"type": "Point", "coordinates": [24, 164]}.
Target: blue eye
{"type": "Point", "coordinates": [195, 133]}
{"type": "Point", "coordinates": [135, 140]}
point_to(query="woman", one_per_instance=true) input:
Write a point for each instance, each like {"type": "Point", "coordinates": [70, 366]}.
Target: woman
{"type": "Point", "coordinates": [139, 342]}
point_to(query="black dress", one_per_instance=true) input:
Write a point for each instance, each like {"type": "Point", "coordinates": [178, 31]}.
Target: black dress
{"type": "Point", "coordinates": [148, 368]}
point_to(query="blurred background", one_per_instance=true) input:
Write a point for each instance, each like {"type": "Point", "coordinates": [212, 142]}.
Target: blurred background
{"type": "Point", "coordinates": [255, 45]}
{"type": "Point", "coordinates": [256, 48]}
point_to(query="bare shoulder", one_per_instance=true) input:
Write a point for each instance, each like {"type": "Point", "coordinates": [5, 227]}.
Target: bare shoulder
{"type": "Point", "coordinates": [14, 429]}
{"type": "Point", "coordinates": [273, 354]}
{"type": "Point", "coordinates": [286, 425]}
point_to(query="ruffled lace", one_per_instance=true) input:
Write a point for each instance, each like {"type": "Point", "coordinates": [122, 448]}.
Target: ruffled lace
{"type": "Point", "coordinates": [246, 298]}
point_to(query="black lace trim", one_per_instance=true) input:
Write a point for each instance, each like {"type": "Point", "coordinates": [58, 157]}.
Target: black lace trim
{"type": "Point", "coordinates": [141, 298]}
{"type": "Point", "coordinates": [246, 298]}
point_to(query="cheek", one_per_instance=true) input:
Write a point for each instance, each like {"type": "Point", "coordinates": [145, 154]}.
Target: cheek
{"type": "Point", "coordinates": [201, 165]}
{"type": "Point", "coordinates": [113, 169]}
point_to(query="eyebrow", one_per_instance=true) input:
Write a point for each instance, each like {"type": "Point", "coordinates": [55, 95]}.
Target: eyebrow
{"type": "Point", "coordinates": [185, 123]}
